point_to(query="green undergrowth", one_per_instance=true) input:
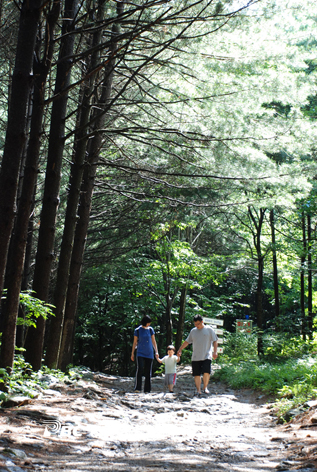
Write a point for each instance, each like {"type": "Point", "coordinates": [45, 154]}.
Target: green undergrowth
{"type": "Point", "coordinates": [23, 381]}
{"type": "Point", "coordinates": [287, 370]}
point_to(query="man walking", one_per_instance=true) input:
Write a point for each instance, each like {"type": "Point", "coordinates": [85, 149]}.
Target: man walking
{"type": "Point", "coordinates": [204, 341]}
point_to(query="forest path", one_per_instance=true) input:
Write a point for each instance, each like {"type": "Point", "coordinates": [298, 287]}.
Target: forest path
{"type": "Point", "coordinates": [101, 425]}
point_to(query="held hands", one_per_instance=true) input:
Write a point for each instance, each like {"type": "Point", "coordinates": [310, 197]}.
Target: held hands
{"type": "Point", "coordinates": [157, 357]}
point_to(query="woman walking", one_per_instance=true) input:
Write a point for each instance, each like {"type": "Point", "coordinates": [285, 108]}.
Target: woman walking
{"type": "Point", "coordinates": [145, 344]}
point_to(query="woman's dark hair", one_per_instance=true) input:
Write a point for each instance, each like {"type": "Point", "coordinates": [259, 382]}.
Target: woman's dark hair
{"type": "Point", "coordinates": [145, 320]}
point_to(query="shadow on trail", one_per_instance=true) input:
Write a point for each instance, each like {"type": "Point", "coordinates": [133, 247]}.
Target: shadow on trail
{"type": "Point", "coordinates": [158, 456]}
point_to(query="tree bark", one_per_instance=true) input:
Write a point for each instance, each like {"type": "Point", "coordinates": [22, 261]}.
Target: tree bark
{"type": "Point", "coordinates": [66, 351]}
{"type": "Point", "coordinates": [309, 279]}
{"type": "Point", "coordinates": [94, 146]}
{"type": "Point", "coordinates": [19, 239]}
{"type": "Point", "coordinates": [181, 319]}
{"type": "Point", "coordinates": [21, 329]}
{"type": "Point", "coordinates": [76, 177]}
{"type": "Point", "coordinates": [45, 249]}
{"type": "Point", "coordinates": [275, 272]}
{"type": "Point", "coordinates": [302, 279]}
{"type": "Point", "coordinates": [258, 223]}
{"type": "Point", "coordinates": [16, 126]}
{"type": "Point", "coordinates": [168, 319]}
{"type": "Point", "coordinates": [169, 300]}
{"type": "Point", "coordinates": [259, 306]}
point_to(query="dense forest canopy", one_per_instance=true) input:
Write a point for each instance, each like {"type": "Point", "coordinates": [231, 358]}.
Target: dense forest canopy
{"type": "Point", "coordinates": [157, 157]}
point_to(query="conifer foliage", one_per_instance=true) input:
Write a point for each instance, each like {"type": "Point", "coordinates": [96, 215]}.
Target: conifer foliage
{"type": "Point", "coordinates": [168, 143]}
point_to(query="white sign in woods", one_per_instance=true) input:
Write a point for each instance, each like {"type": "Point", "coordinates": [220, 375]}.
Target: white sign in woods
{"type": "Point", "coordinates": [216, 322]}
{"type": "Point", "coordinates": [213, 321]}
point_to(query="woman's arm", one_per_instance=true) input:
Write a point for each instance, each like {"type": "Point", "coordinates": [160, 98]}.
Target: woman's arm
{"type": "Point", "coordinates": [135, 343]}
{"type": "Point", "coordinates": [154, 344]}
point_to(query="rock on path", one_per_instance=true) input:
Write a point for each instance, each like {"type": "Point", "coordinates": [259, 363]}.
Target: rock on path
{"type": "Point", "coordinates": [101, 425]}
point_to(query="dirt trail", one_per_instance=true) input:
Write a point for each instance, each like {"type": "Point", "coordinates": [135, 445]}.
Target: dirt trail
{"type": "Point", "coordinates": [102, 425]}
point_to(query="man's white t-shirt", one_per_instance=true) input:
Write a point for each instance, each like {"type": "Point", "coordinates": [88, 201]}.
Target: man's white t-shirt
{"type": "Point", "coordinates": [202, 341]}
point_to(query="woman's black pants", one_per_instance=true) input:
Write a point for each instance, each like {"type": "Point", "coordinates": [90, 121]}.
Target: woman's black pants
{"type": "Point", "coordinates": [143, 367]}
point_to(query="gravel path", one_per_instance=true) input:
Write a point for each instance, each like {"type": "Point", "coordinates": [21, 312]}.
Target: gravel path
{"type": "Point", "coordinates": [104, 426]}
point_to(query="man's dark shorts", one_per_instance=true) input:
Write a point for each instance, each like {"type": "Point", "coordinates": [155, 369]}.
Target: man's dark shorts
{"type": "Point", "coordinates": [201, 367]}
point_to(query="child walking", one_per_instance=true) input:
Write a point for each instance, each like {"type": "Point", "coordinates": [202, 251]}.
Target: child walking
{"type": "Point", "coordinates": [170, 362]}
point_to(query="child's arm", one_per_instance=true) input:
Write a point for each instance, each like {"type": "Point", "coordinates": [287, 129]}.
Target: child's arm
{"type": "Point", "coordinates": [178, 358]}
{"type": "Point", "coordinates": [158, 359]}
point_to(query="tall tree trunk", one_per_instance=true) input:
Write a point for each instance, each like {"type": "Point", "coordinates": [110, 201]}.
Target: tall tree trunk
{"type": "Point", "coordinates": [259, 306]}
{"type": "Point", "coordinates": [44, 257]}
{"type": "Point", "coordinates": [302, 279]}
{"type": "Point", "coordinates": [181, 318]}
{"type": "Point", "coordinates": [168, 320]}
{"type": "Point", "coordinates": [16, 126]}
{"type": "Point", "coordinates": [19, 240]}
{"type": "Point", "coordinates": [258, 223]}
{"type": "Point", "coordinates": [20, 331]}
{"type": "Point", "coordinates": [77, 170]}
{"type": "Point", "coordinates": [66, 353]}
{"type": "Point", "coordinates": [20, 336]}
{"type": "Point", "coordinates": [275, 273]}
{"type": "Point", "coordinates": [60, 292]}
{"type": "Point", "coordinates": [94, 146]}
{"type": "Point", "coordinates": [309, 279]}
{"type": "Point", "coordinates": [169, 301]}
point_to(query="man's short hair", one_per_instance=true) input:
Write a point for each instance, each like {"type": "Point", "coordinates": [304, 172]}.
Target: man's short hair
{"type": "Point", "coordinates": [145, 320]}
{"type": "Point", "coordinates": [198, 318]}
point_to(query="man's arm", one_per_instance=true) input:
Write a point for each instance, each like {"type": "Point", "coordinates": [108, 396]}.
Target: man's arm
{"type": "Point", "coordinates": [179, 352]}
{"type": "Point", "coordinates": [215, 354]}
